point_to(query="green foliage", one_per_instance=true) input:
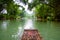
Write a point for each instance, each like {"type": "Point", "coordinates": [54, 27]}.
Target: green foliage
{"type": "Point", "coordinates": [42, 8]}
{"type": "Point", "coordinates": [4, 3]}
{"type": "Point", "coordinates": [24, 1]}
{"type": "Point", "coordinates": [43, 11]}
{"type": "Point", "coordinates": [12, 9]}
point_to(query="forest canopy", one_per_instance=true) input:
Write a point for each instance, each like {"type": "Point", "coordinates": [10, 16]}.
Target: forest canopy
{"type": "Point", "coordinates": [43, 8]}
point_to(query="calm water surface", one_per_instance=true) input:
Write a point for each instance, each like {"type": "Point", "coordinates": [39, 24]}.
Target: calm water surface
{"type": "Point", "coordinates": [13, 29]}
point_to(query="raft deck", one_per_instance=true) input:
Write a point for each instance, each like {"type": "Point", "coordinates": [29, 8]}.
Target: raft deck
{"type": "Point", "coordinates": [31, 35]}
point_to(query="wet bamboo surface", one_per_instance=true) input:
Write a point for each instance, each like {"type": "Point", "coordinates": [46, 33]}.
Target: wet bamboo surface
{"type": "Point", "coordinates": [31, 35]}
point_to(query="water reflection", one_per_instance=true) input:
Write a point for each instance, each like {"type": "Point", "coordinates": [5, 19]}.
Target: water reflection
{"type": "Point", "coordinates": [4, 25]}
{"type": "Point", "coordinates": [18, 35]}
{"type": "Point", "coordinates": [29, 24]}
{"type": "Point", "coordinates": [20, 32]}
{"type": "Point", "coordinates": [13, 30]}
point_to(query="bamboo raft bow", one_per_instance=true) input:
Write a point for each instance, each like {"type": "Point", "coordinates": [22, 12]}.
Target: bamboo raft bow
{"type": "Point", "coordinates": [31, 35]}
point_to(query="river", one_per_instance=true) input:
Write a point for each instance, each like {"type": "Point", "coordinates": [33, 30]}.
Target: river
{"type": "Point", "coordinates": [13, 29]}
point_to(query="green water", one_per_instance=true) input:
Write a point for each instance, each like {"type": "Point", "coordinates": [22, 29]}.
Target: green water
{"type": "Point", "coordinates": [13, 29]}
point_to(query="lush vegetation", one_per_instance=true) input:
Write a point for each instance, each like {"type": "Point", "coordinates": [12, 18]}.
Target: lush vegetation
{"type": "Point", "coordinates": [44, 9]}
{"type": "Point", "coordinates": [13, 10]}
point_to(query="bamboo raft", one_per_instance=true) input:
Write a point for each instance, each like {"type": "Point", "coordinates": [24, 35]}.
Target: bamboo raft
{"type": "Point", "coordinates": [31, 35]}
